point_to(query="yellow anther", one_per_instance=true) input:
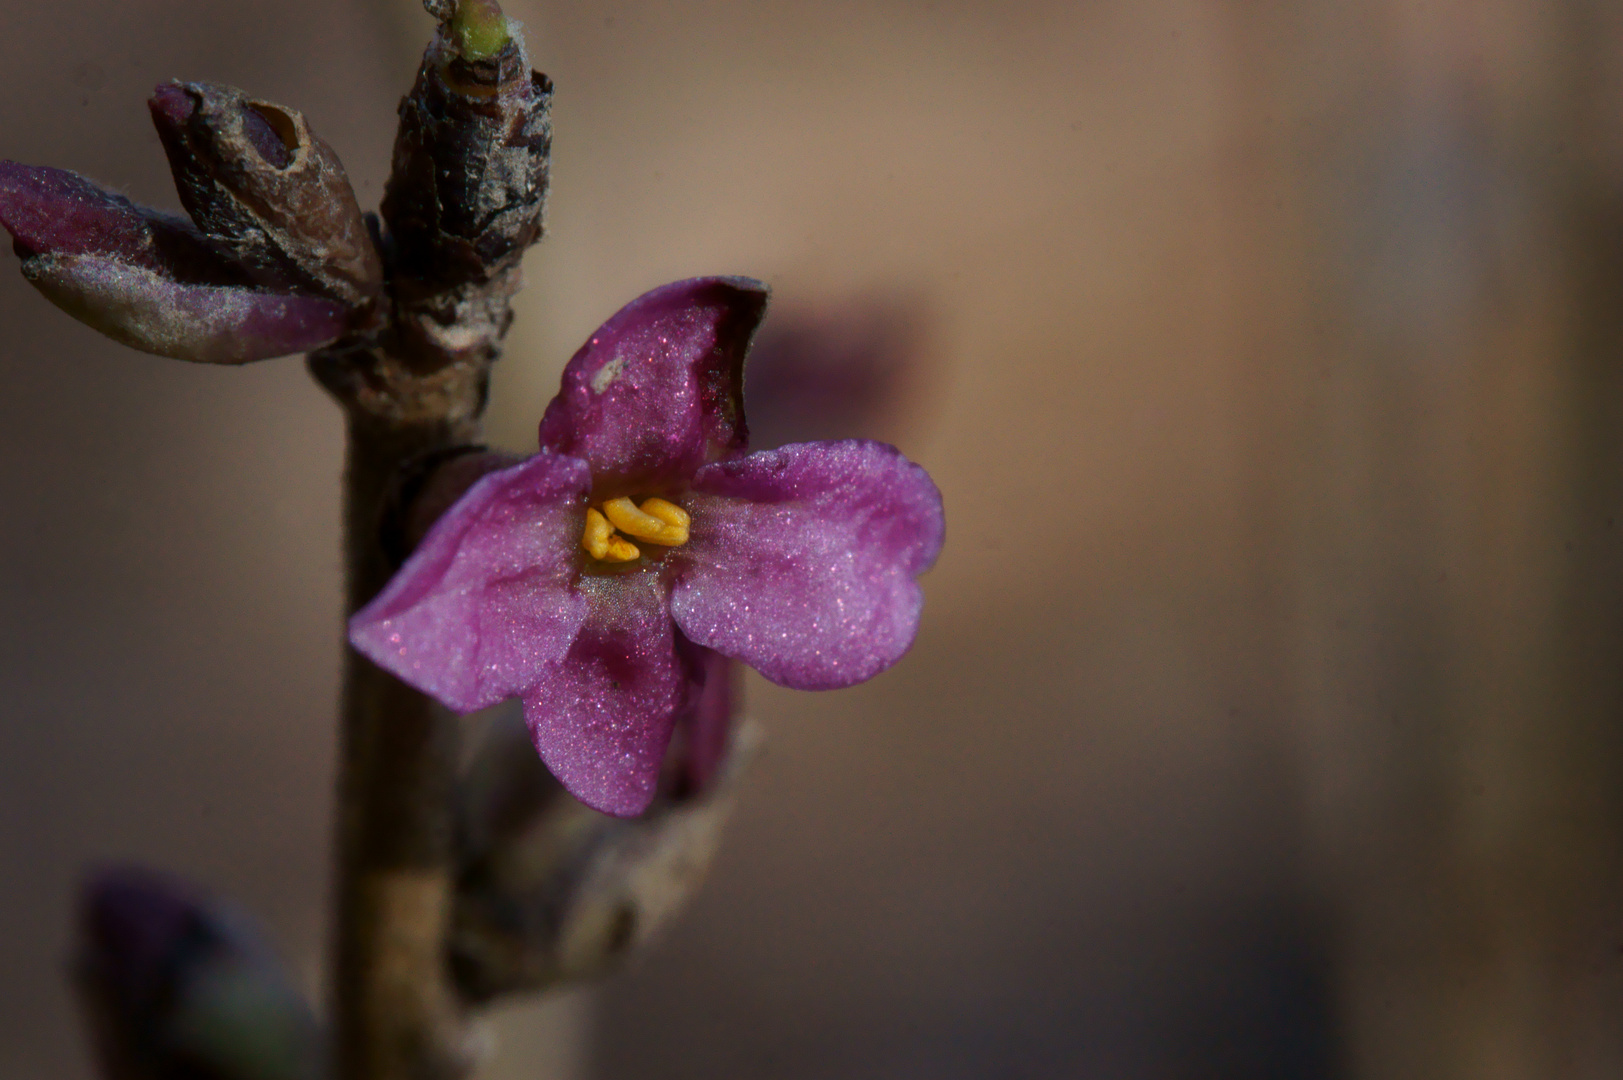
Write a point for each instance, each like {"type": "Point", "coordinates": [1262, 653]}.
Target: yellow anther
{"type": "Point", "coordinates": [658, 525]}
{"type": "Point", "coordinates": [600, 542]}
{"type": "Point", "coordinates": [668, 512]}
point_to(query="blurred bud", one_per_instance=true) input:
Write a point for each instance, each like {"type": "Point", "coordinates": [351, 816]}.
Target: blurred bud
{"type": "Point", "coordinates": [550, 890]}
{"type": "Point", "coordinates": [468, 187]}
{"type": "Point", "coordinates": [253, 176]}
{"type": "Point", "coordinates": [149, 280]}
{"type": "Point", "coordinates": [178, 989]}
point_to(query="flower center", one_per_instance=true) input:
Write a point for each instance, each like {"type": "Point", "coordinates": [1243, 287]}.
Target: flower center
{"type": "Point", "coordinates": [656, 521]}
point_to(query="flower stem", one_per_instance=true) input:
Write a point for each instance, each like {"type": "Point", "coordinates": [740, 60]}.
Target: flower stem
{"type": "Point", "coordinates": [396, 1014]}
{"type": "Point", "coordinates": [464, 199]}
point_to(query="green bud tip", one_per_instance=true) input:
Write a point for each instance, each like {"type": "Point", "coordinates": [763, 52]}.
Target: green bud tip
{"type": "Point", "coordinates": [479, 29]}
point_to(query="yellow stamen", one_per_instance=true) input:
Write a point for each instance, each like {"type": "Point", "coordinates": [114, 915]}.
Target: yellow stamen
{"type": "Point", "coordinates": [668, 512]}
{"type": "Point", "coordinates": [600, 542]}
{"type": "Point", "coordinates": [658, 522]}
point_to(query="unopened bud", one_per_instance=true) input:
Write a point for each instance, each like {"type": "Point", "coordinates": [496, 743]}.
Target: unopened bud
{"type": "Point", "coordinates": [55, 211]}
{"type": "Point", "coordinates": [149, 280]}
{"type": "Point", "coordinates": [254, 176]}
{"type": "Point", "coordinates": [704, 731]}
{"type": "Point", "coordinates": [469, 183]}
{"type": "Point", "coordinates": [207, 324]}
{"type": "Point", "coordinates": [428, 486]}
{"type": "Point", "coordinates": [178, 987]}
{"type": "Point", "coordinates": [551, 891]}
{"type": "Point", "coordinates": [479, 29]}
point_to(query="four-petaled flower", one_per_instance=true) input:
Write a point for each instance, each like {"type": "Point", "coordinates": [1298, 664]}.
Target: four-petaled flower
{"type": "Point", "coordinates": [597, 580]}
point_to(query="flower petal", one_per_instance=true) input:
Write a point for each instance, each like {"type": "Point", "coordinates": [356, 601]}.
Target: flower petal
{"type": "Point", "coordinates": [602, 718]}
{"type": "Point", "coordinates": [706, 723]}
{"type": "Point", "coordinates": [207, 324]}
{"type": "Point", "coordinates": [485, 603]}
{"type": "Point", "coordinates": [803, 558]}
{"type": "Point", "coordinates": [658, 390]}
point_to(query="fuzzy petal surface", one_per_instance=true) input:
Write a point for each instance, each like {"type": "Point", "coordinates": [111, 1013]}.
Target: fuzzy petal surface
{"type": "Point", "coordinates": [207, 324]}
{"type": "Point", "coordinates": [657, 391]}
{"type": "Point", "coordinates": [53, 211]}
{"type": "Point", "coordinates": [602, 718]}
{"type": "Point", "coordinates": [48, 209]}
{"type": "Point", "coordinates": [803, 560]}
{"type": "Point", "coordinates": [486, 604]}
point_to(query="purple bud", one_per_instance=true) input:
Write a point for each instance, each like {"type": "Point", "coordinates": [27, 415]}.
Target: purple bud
{"type": "Point", "coordinates": [704, 730]}
{"type": "Point", "coordinates": [177, 987]}
{"type": "Point", "coordinates": [429, 486]}
{"type": "Point", "coordinates": [55, 211]}
{"type": "Point", "coordinates": [149, 280]}
{"type": "Point", "coordinates": [133, 927]}
{"type": "Point", "coordinates": [832, 373]}
{"type": "Point", "coordinates": [207, 324]}
{"type": "Point", "coordinates": [171, 108]}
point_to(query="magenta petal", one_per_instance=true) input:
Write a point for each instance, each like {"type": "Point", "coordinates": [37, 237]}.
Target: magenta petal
{"type": "Point", "coordinates": [602, 719]}
{"type": "Point", "coordinates": [803, 558]}
{"type": "Point", "coordinates": [211, 324]}
{"type": "Point", "coordinates": [658, 390]}
{"type": "Point", "coordinates": [706, 723]}
{"type": "Point", "coordinates": [486, 603]}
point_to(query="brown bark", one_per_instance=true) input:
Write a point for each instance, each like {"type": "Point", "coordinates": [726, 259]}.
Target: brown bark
{"type": "Point", "coordinates": [394, 1009]}
{"type": "Point", "coordinates": [471, 136]}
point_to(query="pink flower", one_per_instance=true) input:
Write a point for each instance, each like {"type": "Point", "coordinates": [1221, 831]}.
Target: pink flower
{"type": "Point", "coordinates": [596, 580]}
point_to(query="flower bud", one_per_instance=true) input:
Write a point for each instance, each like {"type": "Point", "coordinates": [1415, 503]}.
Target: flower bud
{"type": "Point", "coordinates": [479, 30]}
{"type": "Point", "coordinates": [177, 988]}
{"type": "Point", "coordinates": [550, 890]}
{"type": "Point", "coordinates": [149, 280]}
{"type": "Point", "coordinates": [53, 211]}
{"type": "Point", "coordinates": [203, 323]}
{"type": "Point", "coordinates": [469, 184]}
{"type": "Point", "coordinates": [253, 176]}
{"type": "Point", "coordinates": [840, 372]}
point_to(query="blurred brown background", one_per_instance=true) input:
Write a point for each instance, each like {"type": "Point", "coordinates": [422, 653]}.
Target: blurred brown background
{"type": "Point", "coordinates": [1265, 718]}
